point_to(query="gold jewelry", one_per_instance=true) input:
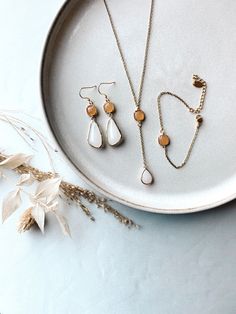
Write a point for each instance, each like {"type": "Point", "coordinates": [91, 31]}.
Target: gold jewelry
{"type": "Point", "coordinates": [163, 138]}
{"type": "Point", "coordinates": [139, 115]}
{"type": "Point", "coordinates": [113, 133]}
{"type": "Point", "coordinates": [94, 138]}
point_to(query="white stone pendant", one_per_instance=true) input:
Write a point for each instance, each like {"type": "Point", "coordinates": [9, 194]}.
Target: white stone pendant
{"type": "Point", "coordinates": [94, 135]}
{"type": "Point", "coordinates": [146, 177]}
{"type": "Point", "coordinates": [114, 136]}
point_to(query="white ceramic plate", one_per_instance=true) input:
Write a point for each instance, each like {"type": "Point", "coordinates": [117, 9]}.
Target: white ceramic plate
{"type": "Point", "coordinates": [81, 51]}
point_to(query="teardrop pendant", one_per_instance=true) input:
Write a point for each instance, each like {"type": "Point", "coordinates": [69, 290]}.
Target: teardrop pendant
{"type": "Point", "coordinates": [146, 177]}
{"type": "Point", "coordinates": [114, 136]}
{"type": "Point", "coordinates": [94, 135]}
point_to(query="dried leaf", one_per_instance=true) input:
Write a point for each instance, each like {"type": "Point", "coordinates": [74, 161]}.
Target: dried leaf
{"type": "Point", "coordinates": [10, 204]}
{"type": "Point", "coordinates": [25, 179]}
{"type": "Point", "coordinates": [38, 214]}
{"type": "Point", "coordinates": [53, 206]}
{"type": "Point", "coordinates": [63, 223]}
{"type": "Point", "coordinates": [15, 161]}
{"type": "Point", "coordinates": [47, 191]}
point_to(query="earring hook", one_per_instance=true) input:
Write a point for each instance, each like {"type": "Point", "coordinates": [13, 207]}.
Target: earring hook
{"type": "Point", "coordinates": [99, 88]}
{"type": "Point", "coordinates": [86, 87]}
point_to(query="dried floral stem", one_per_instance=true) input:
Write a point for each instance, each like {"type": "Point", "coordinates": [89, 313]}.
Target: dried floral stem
{"type": "Point", "coordinates": [26, 221]}
{"type": "Point", "coordinates": [72, 192]}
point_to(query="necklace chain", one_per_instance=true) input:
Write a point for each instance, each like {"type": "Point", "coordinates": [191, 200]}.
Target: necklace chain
{"type": "Point", "coordinates": [137, 99]}
{"type": "Point", "coordinates": [195, 111]}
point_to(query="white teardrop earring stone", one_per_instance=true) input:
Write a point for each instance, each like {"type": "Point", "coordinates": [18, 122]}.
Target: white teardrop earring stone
{"type": "Point", "coordinates": [146, 177]}
{"type": "Point", "coordinates": [114, 136]}
{"type": "Point", "coordinates": [94, 135]}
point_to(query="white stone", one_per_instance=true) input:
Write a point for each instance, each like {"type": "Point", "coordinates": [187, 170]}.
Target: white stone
{"type": "Point", "coordinates": [146, 177]}
{"type": "Point", "coordinates": [94, 135]}
{"type": "Point", "coordinates": [114, 136]}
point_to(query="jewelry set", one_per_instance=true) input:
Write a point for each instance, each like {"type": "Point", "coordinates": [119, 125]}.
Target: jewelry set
{"type": "Point", "coordinates": [113, 133]}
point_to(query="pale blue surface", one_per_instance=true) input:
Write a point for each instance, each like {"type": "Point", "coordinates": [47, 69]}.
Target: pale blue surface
{"type": "Point", "coordinates": [173, 265]}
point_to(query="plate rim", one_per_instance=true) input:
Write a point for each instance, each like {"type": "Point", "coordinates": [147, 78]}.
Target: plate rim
{"type": "Point", "coordinates": [76, 170]}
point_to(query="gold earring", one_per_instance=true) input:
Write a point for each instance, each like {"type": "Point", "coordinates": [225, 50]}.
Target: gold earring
{"type": "Point", "coordinates": [94, 138]}
{"type": "Point", "coordinates": [113, 133]}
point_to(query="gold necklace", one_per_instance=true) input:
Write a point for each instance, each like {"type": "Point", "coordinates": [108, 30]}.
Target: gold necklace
{"type": "Point", "coordinates": [163, 138]}
{"type": "Point", "coordinates": [139, 115]}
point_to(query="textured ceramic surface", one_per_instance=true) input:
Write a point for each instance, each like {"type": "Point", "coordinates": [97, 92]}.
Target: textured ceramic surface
{"type": "Point", "coordinates": [81, 51]}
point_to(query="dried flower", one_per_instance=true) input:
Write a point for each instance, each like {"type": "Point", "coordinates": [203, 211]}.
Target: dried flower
{"type": "Point", "coordinates": [71, 192]}
{"type": "Point", "coordinates": [26, 221]}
